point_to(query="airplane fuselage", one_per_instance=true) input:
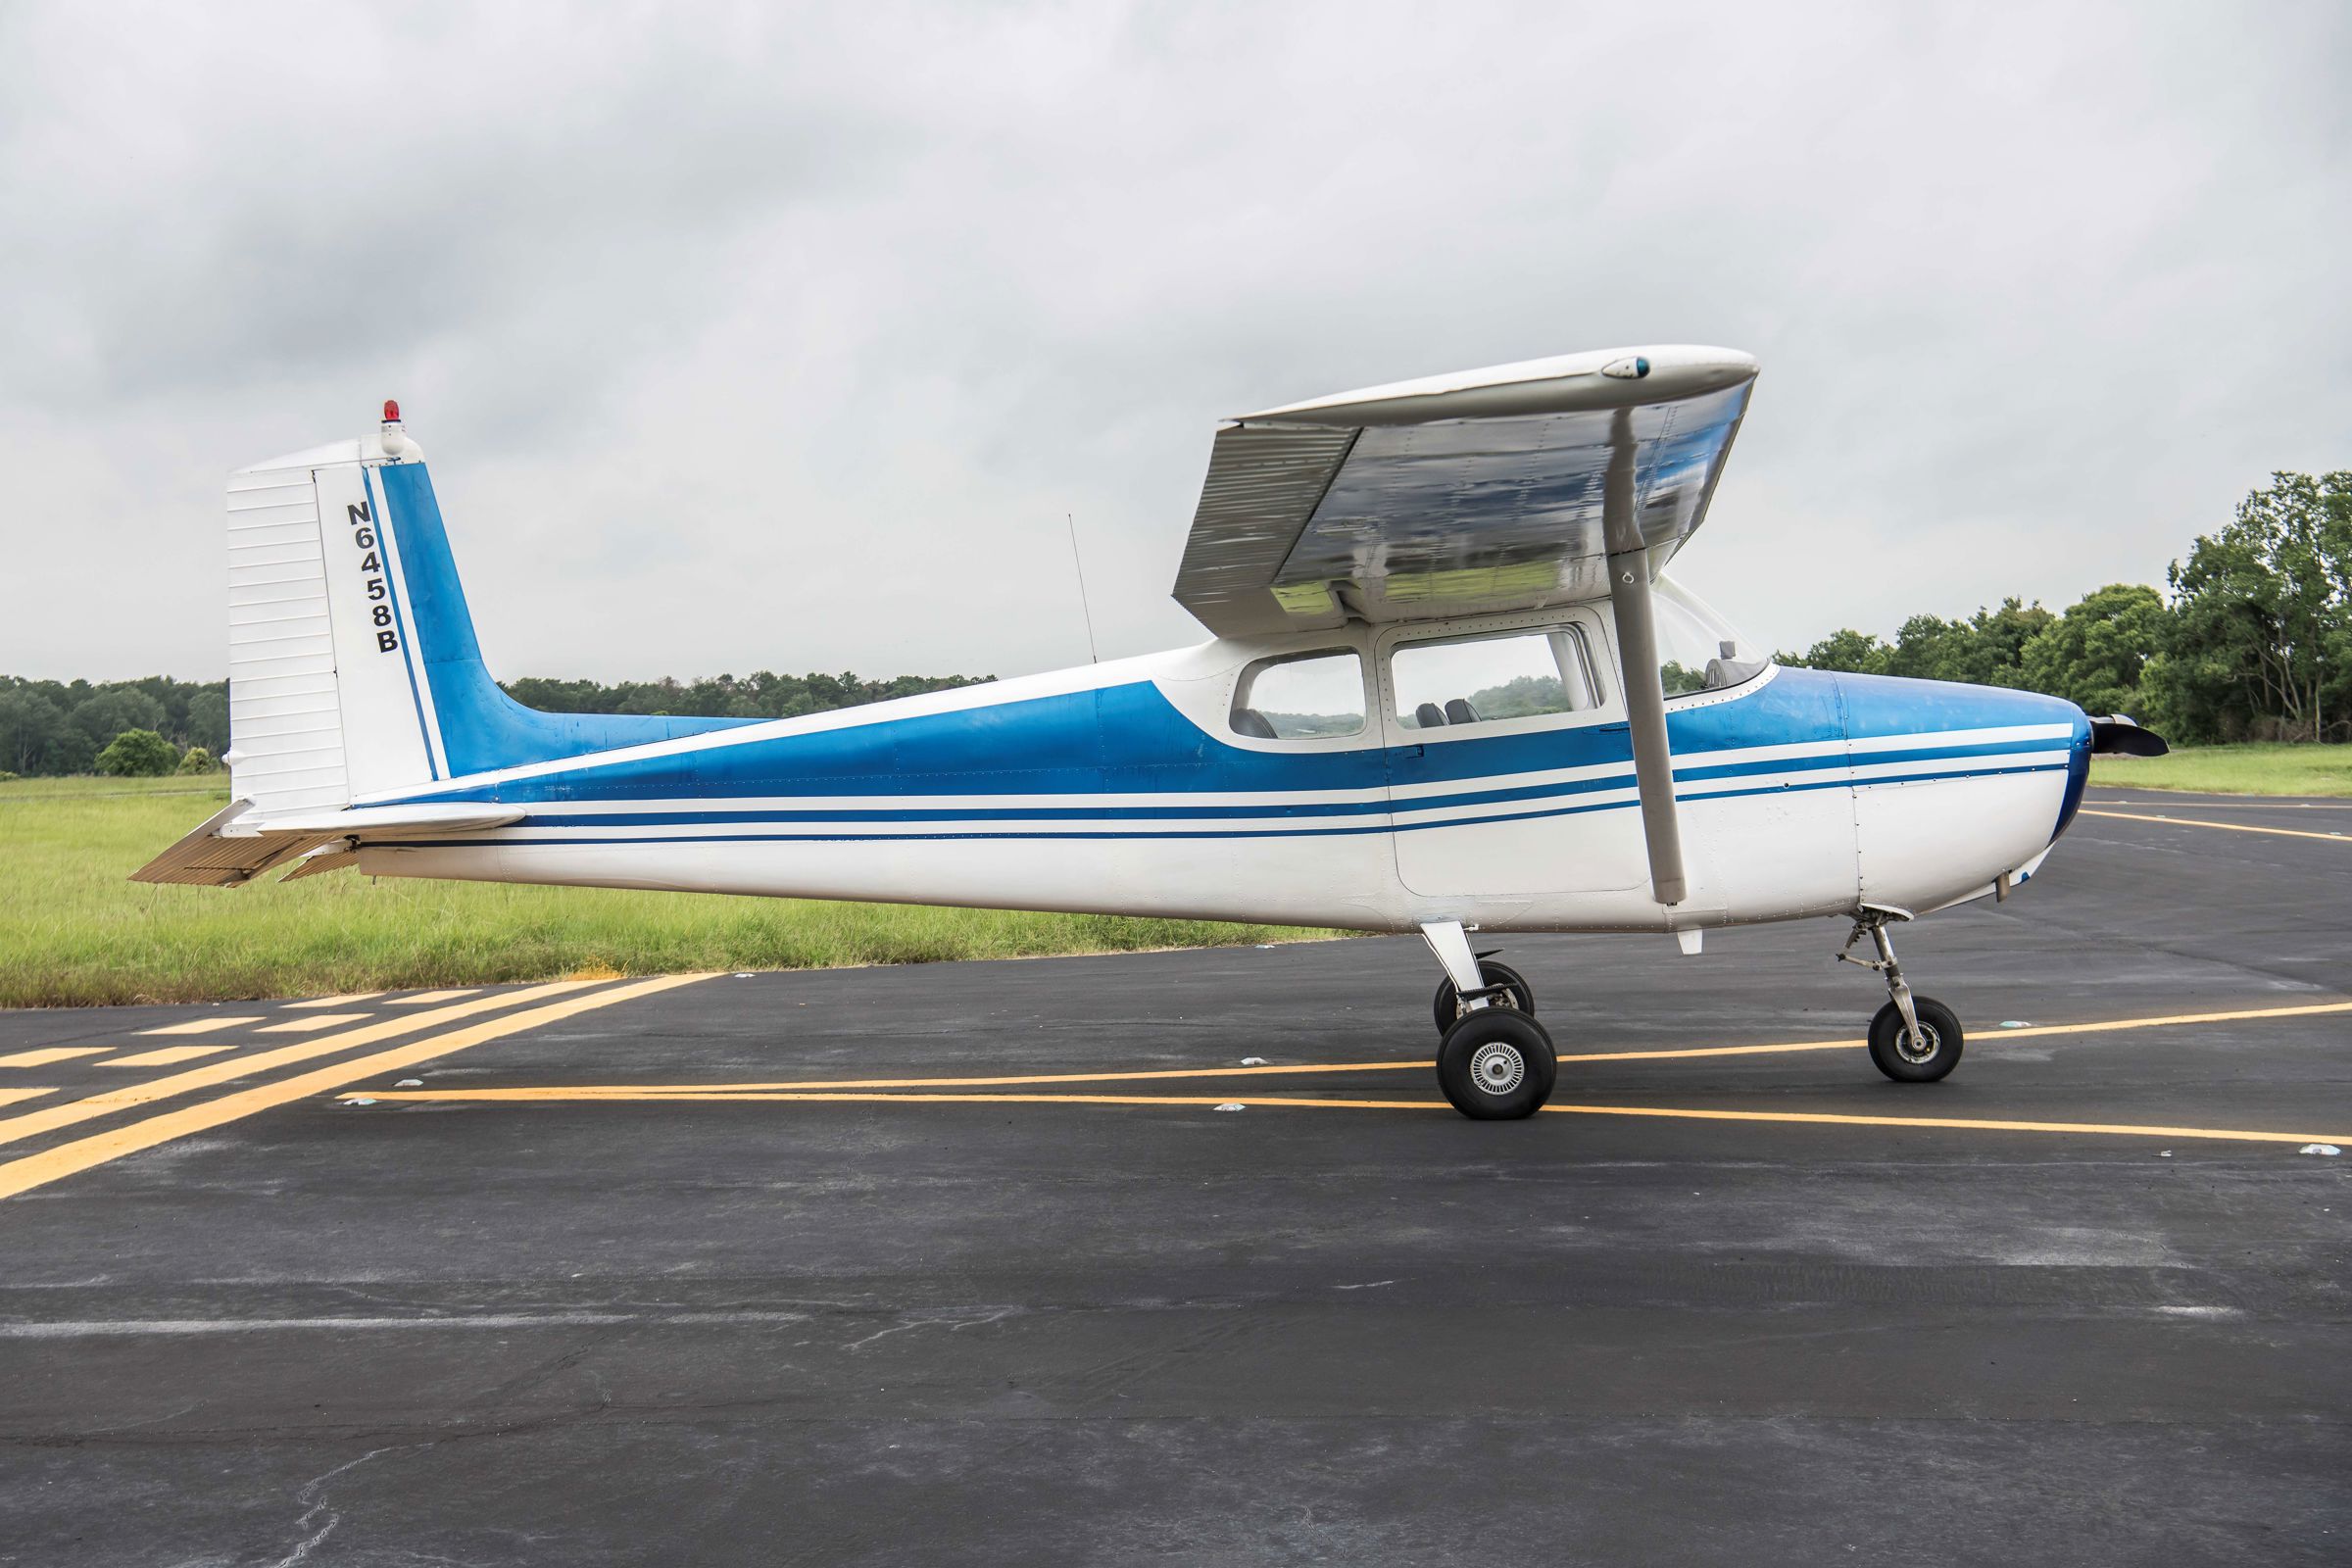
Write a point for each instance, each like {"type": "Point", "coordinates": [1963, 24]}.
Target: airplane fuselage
{"type": "Point", "coordinates": [1133, 788]}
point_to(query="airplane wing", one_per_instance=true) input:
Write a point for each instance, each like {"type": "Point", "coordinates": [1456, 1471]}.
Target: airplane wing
{"type": "Point", "coordinates": [1485, 490]}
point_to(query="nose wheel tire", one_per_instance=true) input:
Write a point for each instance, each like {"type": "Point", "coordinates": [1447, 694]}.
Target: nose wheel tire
{"type": "Point", "coordinates": [1496, 1065]}
{"type": "Point", "coordinates": [1521, 997]}
{"type": "Point", "coordinates": [1921, 1060]}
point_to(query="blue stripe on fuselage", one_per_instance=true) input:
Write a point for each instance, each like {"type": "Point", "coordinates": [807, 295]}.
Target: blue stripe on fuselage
{"type": "Point", "coordinates": [1164, 833]}
{"type": "Point", "coordinates": [1129, 740]}
{"type": "Point", "coordinates": [664, 812]}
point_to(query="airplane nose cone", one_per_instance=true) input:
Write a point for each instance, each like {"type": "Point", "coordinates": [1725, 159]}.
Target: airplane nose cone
{"type": "Point", "coordinates": [1956, 785]}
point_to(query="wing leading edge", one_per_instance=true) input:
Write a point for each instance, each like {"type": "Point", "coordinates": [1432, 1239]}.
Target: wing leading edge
{"type": "Point", "coordinates": [1486, 490]}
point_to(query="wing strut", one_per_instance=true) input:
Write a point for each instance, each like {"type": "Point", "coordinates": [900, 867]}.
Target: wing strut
{"type": "Point", "coordinates": [1637, 664]}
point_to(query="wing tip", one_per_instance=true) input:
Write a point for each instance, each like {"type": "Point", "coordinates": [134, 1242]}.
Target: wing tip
{"type": "Point", "coordinates": [1566, 384]}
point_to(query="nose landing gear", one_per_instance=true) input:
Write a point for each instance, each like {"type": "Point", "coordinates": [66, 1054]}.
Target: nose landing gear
{"type": "Point", "coordinates": [1913, 1039]}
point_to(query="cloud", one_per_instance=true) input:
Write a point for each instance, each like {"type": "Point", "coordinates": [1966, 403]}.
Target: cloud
{"type": "Point", "coordinates": [743, 338]}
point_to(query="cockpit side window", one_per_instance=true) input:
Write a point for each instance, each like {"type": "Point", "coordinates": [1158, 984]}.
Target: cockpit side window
{"type": "Point", "coordinates": [1297, 696]}
{"type": "Point", "coordinates": [1446, 683]}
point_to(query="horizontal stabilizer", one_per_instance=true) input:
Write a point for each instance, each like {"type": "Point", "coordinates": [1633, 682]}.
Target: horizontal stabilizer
{"type": "Point", "coordinates": [233, 846]}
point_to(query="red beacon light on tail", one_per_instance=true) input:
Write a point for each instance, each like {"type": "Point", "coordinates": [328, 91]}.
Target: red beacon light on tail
{"type": "Point", "coordinates": [397, 445]}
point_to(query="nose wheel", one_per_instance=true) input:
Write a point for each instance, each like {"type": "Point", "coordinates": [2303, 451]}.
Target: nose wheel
{"type": "Point", "coordinates": [1913, 1039]}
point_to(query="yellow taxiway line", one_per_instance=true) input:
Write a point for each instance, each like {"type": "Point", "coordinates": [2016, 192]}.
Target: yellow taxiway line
{"type": "Point", "coordinates": [1422, 1063]}
{"type": "Point", "coordinates": [2226, 827]}
{"type": "Point", "coordinates": [1965, 1124]}
{"type": "Point", "coordinates": [36, 1170]}
{"type": "Point", "coordinates": [1302, 1103]}
{"type": "Point", "coordinates": [2242, 804]}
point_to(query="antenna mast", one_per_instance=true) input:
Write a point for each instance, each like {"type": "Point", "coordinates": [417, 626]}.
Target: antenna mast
{"type": "Point", "coordinates": [1092, 657]}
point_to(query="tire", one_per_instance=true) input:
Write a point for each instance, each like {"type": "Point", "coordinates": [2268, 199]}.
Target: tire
{"type": "Point", "coordinates": [1936, 1022]}
{"type": "Point", "coordinates": [1520, 998]}
{"type": "Point", "coordinates": [1496, 1065]}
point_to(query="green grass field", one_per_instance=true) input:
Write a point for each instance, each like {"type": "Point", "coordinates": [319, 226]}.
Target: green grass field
{"type": "Point", "coordinates": [2261, 770]}
{"type": "Point", "coordinates": [75, 931]}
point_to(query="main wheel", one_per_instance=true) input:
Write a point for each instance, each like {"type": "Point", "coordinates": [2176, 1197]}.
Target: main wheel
{"type": "Point", "coordinates": [1496, 1064]}
{"type": "Point", "coordinates": [1916, 1061]}
{"type": "Point", "coordinates": [1521, 997]}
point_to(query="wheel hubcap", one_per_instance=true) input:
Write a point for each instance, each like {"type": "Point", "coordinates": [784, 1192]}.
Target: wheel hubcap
{"type": "Point", "coordinates": [1918, 1048]}
{"type": "Point", "coordinates": [1498, 1068]}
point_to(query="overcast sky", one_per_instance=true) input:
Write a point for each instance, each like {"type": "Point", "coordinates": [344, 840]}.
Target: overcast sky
{"type": "Point", "coordinates": [764, 340]}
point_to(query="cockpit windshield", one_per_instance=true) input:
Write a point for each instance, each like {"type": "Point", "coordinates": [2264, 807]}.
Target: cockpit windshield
{"type": "Point", "coordinates": [1699, 650]}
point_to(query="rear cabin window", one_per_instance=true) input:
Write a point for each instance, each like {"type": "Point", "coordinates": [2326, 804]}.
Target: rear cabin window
{"type": "Point", "coordinates": [1474, 680]}
{"type": "Point", "coordinates": [1302, 696]}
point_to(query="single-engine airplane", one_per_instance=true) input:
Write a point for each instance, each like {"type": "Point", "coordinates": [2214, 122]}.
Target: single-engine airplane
{"type": "Point", "coordinates": [1450, 689]}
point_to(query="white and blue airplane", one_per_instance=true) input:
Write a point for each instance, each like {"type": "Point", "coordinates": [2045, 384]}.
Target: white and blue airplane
{"type": "Point", "coordinates": [1450, 689]}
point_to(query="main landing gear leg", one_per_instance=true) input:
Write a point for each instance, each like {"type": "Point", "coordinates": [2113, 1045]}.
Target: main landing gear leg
{"type": "Point", "coordinates": [1913, 1039]}
{"type": "Point", "coordinates": [1495, 1061]}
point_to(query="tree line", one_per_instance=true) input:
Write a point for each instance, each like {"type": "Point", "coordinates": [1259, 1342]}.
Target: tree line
{"type": "Point", "coordinates": [2253, 640]}
{"type": "Point", "coordinates": [160, 726]}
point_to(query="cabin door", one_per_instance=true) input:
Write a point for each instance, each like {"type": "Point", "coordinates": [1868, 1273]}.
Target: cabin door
{"type": "Point", "coordinates": [1509, 767]}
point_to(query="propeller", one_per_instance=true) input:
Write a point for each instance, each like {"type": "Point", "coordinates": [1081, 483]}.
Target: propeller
{"type": "Point", "coordinates": [2121, 735]}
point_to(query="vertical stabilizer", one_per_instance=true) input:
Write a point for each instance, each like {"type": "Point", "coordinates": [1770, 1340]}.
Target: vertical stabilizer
{"type": "Point", "coordinates": [354, 670]}
{"type": "Point", "coordinates": [325, 697]}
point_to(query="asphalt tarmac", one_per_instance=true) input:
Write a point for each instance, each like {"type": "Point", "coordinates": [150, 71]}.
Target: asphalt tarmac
{"type": "Point", "coordinates": [627, 1276]}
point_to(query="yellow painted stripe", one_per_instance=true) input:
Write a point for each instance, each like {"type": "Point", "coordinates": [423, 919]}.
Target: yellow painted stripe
{"type": "Point", "coordinates": [653, 1090]}
{"type": "Point", "coordinates": [310, 1025]}
{"type": "Point", "coordinates": [165, 1056]}
{"type": "Point", "coordinates": [2226, 827]}
{"type": "Point", "coordinates": [36, 1170]}
{"type": "Point", "coordinates": [2241, 804]}
{"type": "Point", "coordinates": [9, 1096]}
{"type": "Point", "coordinates": [50, 1054]}
{"type": "Point", "coordinates": [336, 1001]}
{"type": "Point", "coordinates": [1296, 1102]}
{"type": "Point", "coordinates": [925, 1099]}
{"type": "Point", "coordinates": [1423, 1064]}
{"type": "Point", "coordinates": [31, 1123]}
{"type": "Point", "coordinates": [199, 1026]}
{"type": "Point", "coordinates": [1962, 1123]}
{"type": "Point", "coordinates": [424, 996]}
